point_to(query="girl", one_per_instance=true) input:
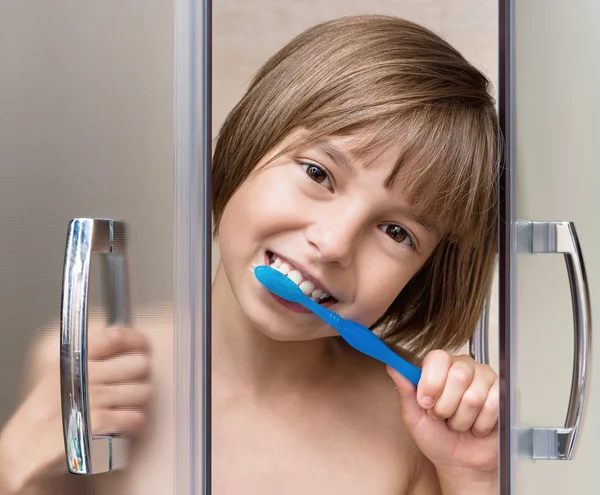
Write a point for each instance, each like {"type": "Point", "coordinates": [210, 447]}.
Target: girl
{"type": "Point", "coordinates": [362, 162]}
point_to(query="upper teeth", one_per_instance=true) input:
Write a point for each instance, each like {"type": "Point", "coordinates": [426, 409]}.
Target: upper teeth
{"type": "Point", "coordinates": [307, 287]}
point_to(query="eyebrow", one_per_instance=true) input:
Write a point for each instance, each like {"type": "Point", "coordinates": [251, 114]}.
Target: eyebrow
{"type": "Point", "coordinates": [334, 154]}
{"type": "Point", "coordinates": [431, 227]}
{"type": "Point", "coordinates": [340, 158]}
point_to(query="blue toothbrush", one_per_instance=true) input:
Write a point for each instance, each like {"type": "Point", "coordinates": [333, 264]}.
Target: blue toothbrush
{"type": "Point", "coordinates": [359, 337]}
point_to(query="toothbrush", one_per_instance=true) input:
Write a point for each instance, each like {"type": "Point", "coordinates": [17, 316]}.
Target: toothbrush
{"type": "Point", "coordinates": [357, 336]}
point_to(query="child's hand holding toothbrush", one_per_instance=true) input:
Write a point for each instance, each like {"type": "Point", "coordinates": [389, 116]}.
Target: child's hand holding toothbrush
{"type": "Point", "coordinates": [453, 417]}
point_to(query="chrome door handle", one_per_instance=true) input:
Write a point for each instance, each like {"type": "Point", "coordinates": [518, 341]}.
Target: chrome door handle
{"type": "Point", "coordinates": [561, 237]}
{"type": "Point", "coordinates": [87, 454]}
{"type": "Point", "coordinates": [478, 344]}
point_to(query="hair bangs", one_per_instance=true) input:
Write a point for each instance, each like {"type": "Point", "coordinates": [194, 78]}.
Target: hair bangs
{"type": "Point", "coordinates": [443, 167]}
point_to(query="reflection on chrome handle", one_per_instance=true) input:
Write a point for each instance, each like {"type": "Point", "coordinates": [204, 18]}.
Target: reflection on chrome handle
{"type": "Point", "coordinates": [561, 237]}
{"type": "Point", "coordinates": [87, 454]}
{"type": "Point", "coordinates": [478, 345]}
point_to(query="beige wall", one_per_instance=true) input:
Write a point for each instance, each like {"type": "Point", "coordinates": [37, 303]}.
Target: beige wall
{"type": "Point", "coordinates": [246, 34]}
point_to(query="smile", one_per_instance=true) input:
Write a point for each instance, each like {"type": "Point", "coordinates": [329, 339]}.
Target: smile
{"type": "Point", "coordinates": [307, 284]}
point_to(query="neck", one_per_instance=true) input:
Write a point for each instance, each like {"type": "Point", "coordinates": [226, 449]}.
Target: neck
{"type": "Point", "coordinates": [246, 356]}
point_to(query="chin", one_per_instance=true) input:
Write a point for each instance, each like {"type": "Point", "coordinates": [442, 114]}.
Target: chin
{"type": "Point", "coordinates": [272, 318]}
{"type": "Point", "coordinates": [283, 325]}
{"type": "Point", "coordinates": [289, 331]}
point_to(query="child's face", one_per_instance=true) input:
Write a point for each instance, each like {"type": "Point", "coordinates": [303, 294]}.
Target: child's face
{"type": "Point", "coordinates": [329, 217]}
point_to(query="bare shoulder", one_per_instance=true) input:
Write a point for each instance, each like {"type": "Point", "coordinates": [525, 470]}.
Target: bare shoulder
{"type": "Point", "coordinates": [377, 409]}
{"type": "Point", "coordinates": [378, 389]}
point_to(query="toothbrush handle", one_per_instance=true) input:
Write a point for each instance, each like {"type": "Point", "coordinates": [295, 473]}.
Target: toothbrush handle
{"type": "Point", "coordinates": [369, 342]}
{"type": "Point", "coordinates": [409, 371]}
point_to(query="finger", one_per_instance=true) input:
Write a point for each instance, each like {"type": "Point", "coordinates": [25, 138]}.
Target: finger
{"type": "Point", "coordinates": [472, 400]}
{"type": "Point", "coordinates": [459, 378]}
{"type": "Point", "coordinates": [488, 416]}
{"type": "Point", "coordinates": [118, 422]}
{"type": "Point", "coordinates": [111, 341]}
{"type": "Point", "coordinates": [121, 369]}
{"type": "Point", "coordinates": [433, 378]}
{"type": "Point", "coordinates": [121, 396]}
{"type": "Point", "coordinates": [412, 413]}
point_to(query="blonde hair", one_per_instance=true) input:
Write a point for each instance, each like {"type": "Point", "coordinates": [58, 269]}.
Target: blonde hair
{"type": "Point", "coordinates": [403, 85]}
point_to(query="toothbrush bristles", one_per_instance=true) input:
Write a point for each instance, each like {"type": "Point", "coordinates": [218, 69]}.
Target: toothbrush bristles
{"type": "Point", "coordinates": [254, 265]}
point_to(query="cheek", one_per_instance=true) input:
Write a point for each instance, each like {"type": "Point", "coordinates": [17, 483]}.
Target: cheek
{"type": "Point", "coordinates": [275, 193]}
{"type": "Point", "coordinates": [264, 205]}
{"type": "Point", "coordinates": [378, 289]}
{"type": "Point", "coordinates": [265, 201]}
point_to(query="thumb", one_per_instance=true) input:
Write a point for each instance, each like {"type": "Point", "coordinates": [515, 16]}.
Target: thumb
{"type": "Point", "coordinates": [412, 412]}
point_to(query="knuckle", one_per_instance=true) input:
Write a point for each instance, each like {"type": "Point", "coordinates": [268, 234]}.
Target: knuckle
{"type": "Point", "coordinates": [452, 427]}
{"type": "Point", "coordinates": [486, 370]}
{"type": "Point", "coordinates": [144, 393]}
{"type": "Point", "coordinates": [139, 365]}
{"type": "Point", "coordinates": [480, 431]}
{"type": "Point", "coordinates": [437, 355]}
{"type": "Point", "coordinates": [97, 397]}
{"type": "Point", "coordinates": [128, 422]}
{"type": "Point", "coordinates": [100, 422]}
{"type": "Point", "coordinates": [104, 344]}
{"type": "Point", "coordinates": [461, 373]}
{"type": "Point", "coordinates": [115, 337]}
{"type": "Point", "coordinates": [94, 372]}
{"type": "Point", "coordinates": [491, 405]}
{"type": "Point", "coordinates": [474, 398]}
{"type": "Point", "coordinates": [441, 412]}
{"type": "Point", "coordinates": [142, 339]}
{"type": "Point", "coordinates": [135, 339]}
{"type": "Point", "coordinates": [134, 422]}
{"type": "Point", "coordinates": [456, 426]}
{"type": "Point", "coordinates": [144, 366]}
{"type": "Point", "coordinates": [465, 358]}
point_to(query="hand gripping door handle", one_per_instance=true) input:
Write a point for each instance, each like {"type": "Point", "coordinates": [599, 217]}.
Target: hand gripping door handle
{"type": "Point", "coordinates": [549, 238]}
{"type": "Point", "coordinates": [87, 454]}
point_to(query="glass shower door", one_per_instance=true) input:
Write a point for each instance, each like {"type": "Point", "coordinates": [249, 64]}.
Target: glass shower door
{"type": "Point", "coordinates": [551, 270]}
{"type": "Point", "coordinates": [102, 221]}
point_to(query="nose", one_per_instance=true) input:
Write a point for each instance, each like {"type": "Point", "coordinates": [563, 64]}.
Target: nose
{"type": "Point", "coordinates": [335, 238]}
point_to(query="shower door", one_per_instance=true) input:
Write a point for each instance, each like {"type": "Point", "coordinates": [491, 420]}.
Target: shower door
{"type": "Point", "coordinates": [102, 221]}
{"type": "Point", "coordinates": [550, 234]}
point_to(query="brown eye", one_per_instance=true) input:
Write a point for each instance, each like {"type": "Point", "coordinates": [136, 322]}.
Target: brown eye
{"type": "Point", "coordinates": [316, 173]}
{"type": "Point", "coordinates": [398, 234]}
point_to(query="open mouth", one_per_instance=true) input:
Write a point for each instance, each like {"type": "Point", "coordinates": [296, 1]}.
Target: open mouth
{"type": "Point", "coordinates": [309, 287]}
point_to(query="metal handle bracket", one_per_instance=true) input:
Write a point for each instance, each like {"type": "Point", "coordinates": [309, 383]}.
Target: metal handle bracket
{"type": "Point", "coordinates": [548, 238]}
